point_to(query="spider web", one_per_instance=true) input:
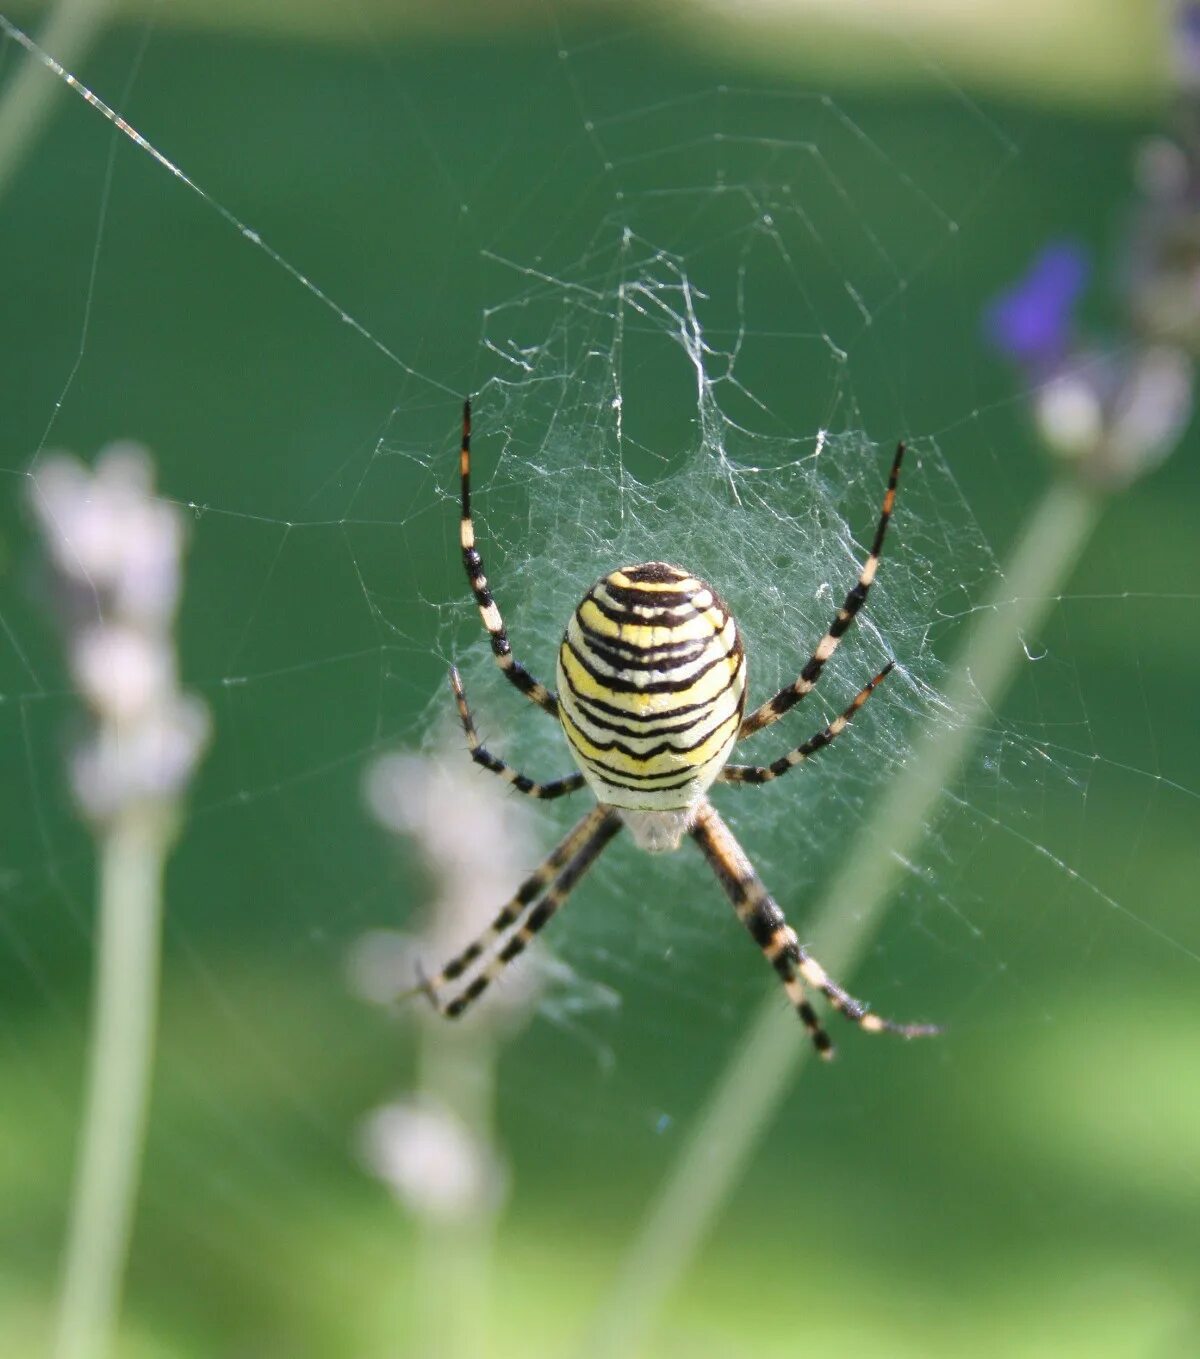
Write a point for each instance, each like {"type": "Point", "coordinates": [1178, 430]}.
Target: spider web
{"type": "Point", "coordinates": [695, 315]}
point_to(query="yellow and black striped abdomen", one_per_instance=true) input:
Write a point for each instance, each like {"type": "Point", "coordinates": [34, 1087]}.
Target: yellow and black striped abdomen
{"type": "Point", "coordinates": [651, 687]}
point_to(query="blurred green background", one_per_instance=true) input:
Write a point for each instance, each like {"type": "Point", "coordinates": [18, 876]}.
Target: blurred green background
{"type": "Point", "coordinates": [1028, 1185]}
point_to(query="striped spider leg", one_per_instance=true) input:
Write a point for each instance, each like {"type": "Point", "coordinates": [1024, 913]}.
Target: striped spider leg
{"type": "Point", "coordinates": [514, 671]}
{"type": "Point", "coordinates": [571, 783]}
{"type": "Point", "coordinates": [754, 906]}
{"type": "Point", "coordinates": [760, 914]}
{"type": "Point", "coordinates": [651, 696]}
{"type": "Point", "coordinates": [765, 773]}
{"type": "Point", "coordinates": [774, 708]}
{"type": "Point", "coordinates": [531, 907]}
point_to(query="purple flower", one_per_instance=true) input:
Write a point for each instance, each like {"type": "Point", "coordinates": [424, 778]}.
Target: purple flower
{"type": "Point", "coordinates": [1186, 47]}
{"type": "Point", "coordinates": [1032, 322]}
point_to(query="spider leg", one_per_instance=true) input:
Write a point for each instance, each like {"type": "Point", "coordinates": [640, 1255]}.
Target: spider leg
{"type": "Point", "coordinates": [788, 697]}
{"type": "Point", "coordinates": [516, 673]}
{"type": "Point", "coordinates": [764, 773]}
{"type": "Point", "coordinates": [482, 756]}
{"type": "Point", "coordinates": [769, 929]}
{"type": "Point", "coordinates": [578, 851]}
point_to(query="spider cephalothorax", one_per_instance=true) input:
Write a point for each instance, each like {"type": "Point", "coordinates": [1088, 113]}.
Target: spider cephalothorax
{"type": "Point", "coordinates": [651, 695]}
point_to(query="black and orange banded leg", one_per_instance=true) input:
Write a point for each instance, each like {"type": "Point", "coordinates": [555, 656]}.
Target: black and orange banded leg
{"type": "Point", "coordinates": [516, 673]}
{"type": "Point", "coordinates": [787, 698]}
{"type": "Point", "coordinates": [577, 851]}
{"type": "Point", "coordinates": [571, 783]}
{"type": "Point", "coordinates": [769, 929]}
{"type": "Point", "coordinates": [764, 773]}
{"type": "Point", "coordinates": [514, 908]}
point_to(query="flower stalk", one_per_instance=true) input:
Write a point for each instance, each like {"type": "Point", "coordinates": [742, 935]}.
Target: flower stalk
{"type": "Point", "coordinates": [133, 852]}
{"type": "Point", "coordinates": [115, 552]}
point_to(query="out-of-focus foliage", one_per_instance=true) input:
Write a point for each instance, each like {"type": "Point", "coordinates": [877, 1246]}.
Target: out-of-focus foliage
{"type": "Point", "coordinates": [1102, 54]}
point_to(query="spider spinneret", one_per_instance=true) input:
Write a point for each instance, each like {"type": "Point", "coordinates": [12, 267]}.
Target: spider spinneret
{"type": "Point", "coordinates": [651, 679]}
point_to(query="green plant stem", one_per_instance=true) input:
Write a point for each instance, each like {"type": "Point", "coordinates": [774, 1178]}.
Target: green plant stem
{"type": "Point", "coordinates": [133, 850]}
{"type": "Point", "coordinates": [750, 1090]}
{"type": "Point", "coordinates": [30, 96]}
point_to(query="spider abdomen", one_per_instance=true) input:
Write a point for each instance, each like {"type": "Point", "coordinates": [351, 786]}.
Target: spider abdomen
{"type": "Point", "coordinates": [651, 687]}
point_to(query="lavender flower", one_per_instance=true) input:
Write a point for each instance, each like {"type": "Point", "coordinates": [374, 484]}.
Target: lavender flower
{"type": "Point", "coordinates": [116, 550]}
{"type": "Point", "coordinates": [1032, 323]}
{"type": "Point", "coordinates": [1162, 274]}
{"type": "Point", "coordinates": [1113, 410]}
{"type": "Point", "coordinates": [1185, 46]}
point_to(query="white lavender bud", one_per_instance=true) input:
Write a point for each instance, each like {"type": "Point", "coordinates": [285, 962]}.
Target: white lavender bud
{"type": "Point", "coordinates": [1117, 415]}
{"type": "Point", "coordinates": [121, 671]}
{"type": "Point", "coordinates": [148, 761]}
{"type": "Point", "coordinates": [431, 1160]}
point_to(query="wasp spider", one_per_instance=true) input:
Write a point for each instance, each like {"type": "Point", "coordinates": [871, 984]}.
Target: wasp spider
{"type": "Point", "coordinates": [651, 693]}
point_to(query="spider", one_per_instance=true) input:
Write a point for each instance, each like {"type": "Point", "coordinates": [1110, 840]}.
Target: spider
{"type": "Point", "coordinates": [651, 693]}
